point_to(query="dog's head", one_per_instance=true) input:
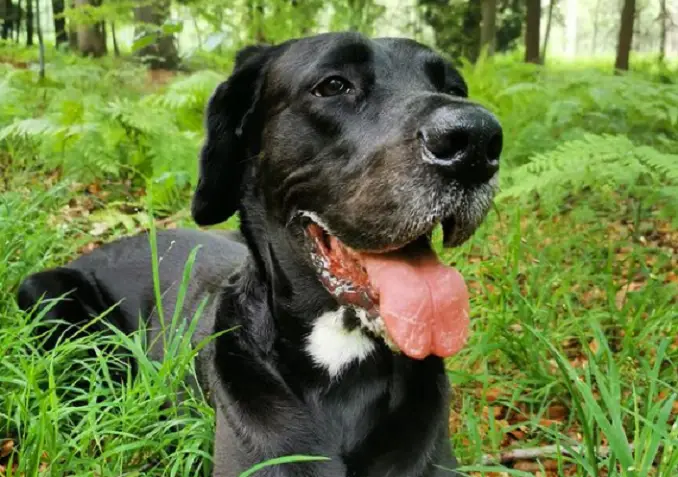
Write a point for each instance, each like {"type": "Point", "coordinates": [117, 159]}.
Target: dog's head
{"type": "Point", "coordinates": [355, 150]}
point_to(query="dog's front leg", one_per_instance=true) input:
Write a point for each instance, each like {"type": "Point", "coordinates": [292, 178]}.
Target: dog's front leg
{"type": "Point", "coordinates": [238, 447]}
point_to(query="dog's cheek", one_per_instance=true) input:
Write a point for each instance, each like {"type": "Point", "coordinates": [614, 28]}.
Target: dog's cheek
{"type": "Point", "coordinates": [372, 212]}
{"type": "Point", "coordinates": [280, 161]}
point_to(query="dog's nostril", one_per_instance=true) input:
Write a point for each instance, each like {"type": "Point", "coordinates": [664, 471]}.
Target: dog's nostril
{"type": "Point", "coordinates": [494, 147]}
{"type": "Point", "coordinates": [448, 144]}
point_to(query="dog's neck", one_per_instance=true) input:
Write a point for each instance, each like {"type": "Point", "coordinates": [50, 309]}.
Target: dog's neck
{"type": "Point", "coordinates": [312, 329]}
{"type": "Point", "coordinates": [335, 379]}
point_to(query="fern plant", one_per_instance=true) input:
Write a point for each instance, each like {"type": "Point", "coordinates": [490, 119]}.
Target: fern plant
{"type": "Point", "coordinates": [598, 163]}
{"type": "Point", "coordinates": [91, 123]}
{"type": "Point", "coordinates": [541, 108]}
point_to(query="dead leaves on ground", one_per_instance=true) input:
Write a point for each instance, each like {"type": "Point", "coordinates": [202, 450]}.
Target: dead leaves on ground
{"type": "Point", "coordinates": [9, 457]}
{"type": "Point", "coordinates": [102, 211]}
{"type": "Point", "coordinates": [639, 259]}
{"type": "Point", "coordinates": [518, 427]}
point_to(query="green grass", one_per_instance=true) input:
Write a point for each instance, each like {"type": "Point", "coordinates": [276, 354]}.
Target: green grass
{"type": "Point", "coordinates": [559, 355]}
{"type": "Point", "coordinates": [549, 329]}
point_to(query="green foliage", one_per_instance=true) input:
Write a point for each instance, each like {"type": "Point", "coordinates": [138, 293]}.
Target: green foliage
{"type": "Point", "coordinates": [456, 25]}
{"type": "Point", "coordinates": [356, 15]}
{"type": "Point", "coordinates": [186, 98]}
{"type": "Point", "coordinates": [541, 107]}
{"type": "Point", "coordinates": [84, 122]}
{"type": "Point", "coordinates": [598, 163]}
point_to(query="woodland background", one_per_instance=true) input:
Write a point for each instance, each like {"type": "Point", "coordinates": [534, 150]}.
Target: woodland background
{"type": "Point", "coordinates": [571, 368]}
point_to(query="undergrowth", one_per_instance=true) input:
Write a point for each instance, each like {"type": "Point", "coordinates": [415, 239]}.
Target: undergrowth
{"type": "Point", "coordinates": [573, 276]}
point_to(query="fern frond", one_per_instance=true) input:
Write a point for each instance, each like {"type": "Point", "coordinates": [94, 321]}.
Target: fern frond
{"type": "Point", "coordinates": [30, 128]}
{"type": "Point", "coordinates": [594, 161]}
{"type": "Point", "coordinates": [188, 92]}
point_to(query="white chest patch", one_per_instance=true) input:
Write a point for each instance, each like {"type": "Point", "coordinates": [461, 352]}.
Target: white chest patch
{"type": "Point", "coordinates": [333, 347]}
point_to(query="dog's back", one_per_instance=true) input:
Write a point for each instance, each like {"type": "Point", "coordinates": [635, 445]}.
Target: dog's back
{"type": "Point", "coordinates": [117, 278]}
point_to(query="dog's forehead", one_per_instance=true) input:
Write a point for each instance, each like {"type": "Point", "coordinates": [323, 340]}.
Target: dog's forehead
{"type": "Point", "coordinates": [338, 51]}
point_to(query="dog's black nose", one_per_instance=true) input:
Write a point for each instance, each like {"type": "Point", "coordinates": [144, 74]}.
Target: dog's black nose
{"type": "Point", "coordinates": [463, 139]}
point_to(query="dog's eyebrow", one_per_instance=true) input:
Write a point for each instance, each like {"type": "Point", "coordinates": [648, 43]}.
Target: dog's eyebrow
{"type": "Point", "coordinates": [435, 69]}
{"type": "Point", "coordinates": [346, 54]}
{"type": "Point", "coordinates": [442, 74]}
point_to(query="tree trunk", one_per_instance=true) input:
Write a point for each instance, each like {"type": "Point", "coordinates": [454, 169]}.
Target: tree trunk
{"type": "Point", "coordinates": [17, 21]}
{"type": "Point", "coordinates": [547, 34]}
{"type": "Point", "coordinates": [72, 30]}
{"type": "Point", "coordinates": [663, 20]}
{"type": "Point", "coordinates": [533, 20]}
{"type": "Point", "coordinates": [470, 27]}
{"type": "Point", "coordinates": [29, 23]}
{"type": "Point", "coordinates": [625, 35]}
{"type": "Point", "coordinates": [91, 37]}
{"type": "Point", "coordinates": [7, 19]}
{"type": "Point", "coordinates": [162, 52]}
{"type": "Point", "coordinates": [116, 48]}
{"type": "Point", "coordinates": [596, 14]}
{"type": "Point", "coordinates": [59, 22]}
{"type": "Point", "coordinates": [41, 41]}
{"type": "Point", "coordinates": [488, 28]}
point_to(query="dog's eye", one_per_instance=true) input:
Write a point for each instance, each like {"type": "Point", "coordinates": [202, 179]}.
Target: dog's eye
{"type": "Point", "coordinates": [332, 87]}
{"type": "Point", "coordinates": [456, 91]}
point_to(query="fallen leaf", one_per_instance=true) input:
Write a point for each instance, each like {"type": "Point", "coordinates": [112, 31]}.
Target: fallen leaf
{"type": "Point", "coordinates": [492, 394]}
{"type": "Point", "coordinates": [549, 422]}
{"type": "Point", "coordinates": [529, 466]}
{"type": "Point", "coordinates": [99, 228]}
{"type": "Point", "coordinates": [6, 447]}
{"type": "Point", "coordinates": [557, 412]}
{"type": "Point", "coordinates": [594, 346]}
{"type": "Point", "coordinates": [620, 297]}
{"type": "Point", "coordinates": [517, 434]}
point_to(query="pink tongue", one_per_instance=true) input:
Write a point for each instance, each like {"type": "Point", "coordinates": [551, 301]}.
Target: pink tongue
{"type": "Point", "coordinates": [424, 304]}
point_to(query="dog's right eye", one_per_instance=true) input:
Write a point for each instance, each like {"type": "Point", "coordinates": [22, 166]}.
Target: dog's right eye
{"type": "Point", "coordinates": [332, 86]}
{"type": "Point", "coordinates": [456, 91]}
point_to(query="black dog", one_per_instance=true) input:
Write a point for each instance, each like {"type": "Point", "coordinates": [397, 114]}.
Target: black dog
{"type": "Point", "coordinates": [341, 154]}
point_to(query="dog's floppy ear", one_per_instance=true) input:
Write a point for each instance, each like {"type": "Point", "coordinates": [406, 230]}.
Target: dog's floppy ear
{"type": "Point", "coordinates": [224, 154]}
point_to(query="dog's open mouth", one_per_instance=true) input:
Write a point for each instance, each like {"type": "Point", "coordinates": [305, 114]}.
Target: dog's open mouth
{"type": "Point", "coordinates": [424, 304]}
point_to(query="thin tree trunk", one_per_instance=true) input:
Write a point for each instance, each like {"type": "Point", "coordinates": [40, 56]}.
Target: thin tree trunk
{"type": "Point", "coordinates": [41, 42]}
{"type": "Point", "coordinates": [596, 14]}
{"type": "Point", "coordinates": [116, 48]}
{"type": "Point", "coordinates": [488, 28]}
{"type": "Point", "coordinates": [29, 23]}
{"type": "Point", "coordinates": [60, 35]}
{"type": "Point", "coordinates": [533, 21]}
{"type": "Point", "coordinates": [162, 53]}
{"type": "Point", "coordinates": [663, 20]}
{"type": "Point", "coordinates": [8, 23]}
{"type": "Point", "coordinates": [547, 34]}
{"type": "Point", "coordinates": [625, 35]}
{"type": "Point", "coordinates": [72, 30]}
{"type": "Point", "coordinates": [17, 21]}
{"type": "Point", "coordinates": [91, 38]}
